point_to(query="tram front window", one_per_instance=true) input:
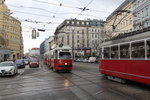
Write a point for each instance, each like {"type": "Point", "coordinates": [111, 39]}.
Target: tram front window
{"type": "Point", "coordinates": [65, 55]}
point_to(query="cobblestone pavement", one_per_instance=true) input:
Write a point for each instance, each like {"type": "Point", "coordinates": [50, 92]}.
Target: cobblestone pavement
{"type": "Point", "coordinates": [83, 83]}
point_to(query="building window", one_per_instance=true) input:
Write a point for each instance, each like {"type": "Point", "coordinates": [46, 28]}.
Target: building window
{"type": "Point", "coordinates": [95, 35]}
{"type": "Point", "coordinates": [78, 23]}
{"type": "Point", "coordinates": [82, 23]}
{"type": "Point", "coordinates": [87, 23]}
{"type": "Point", "coordinates": [73, 22]}
{"type": "Point", "coordinates": [146, 11]}
{"type": "Point", "coordinates": [68, 22]}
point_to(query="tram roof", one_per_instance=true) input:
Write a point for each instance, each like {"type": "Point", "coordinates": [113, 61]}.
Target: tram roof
{"type": "Point", "coordinates": [127, 37]}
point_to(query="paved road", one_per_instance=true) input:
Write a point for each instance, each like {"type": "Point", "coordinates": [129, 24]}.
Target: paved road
{"type": "Point", "coordinates": [84, 83]}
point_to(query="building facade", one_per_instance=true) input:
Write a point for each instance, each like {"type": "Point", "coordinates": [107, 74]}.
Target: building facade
{"type": "Point", "coordinates": [120, 21]}
{"type": "Point", "coordinates": [10, 33]}
{"type": "Point", "coordinates": [141, 11]}
{"type": "Point", "coordinates": [79, 34]}
{"type": "Point", "coordinates": [46, 45]}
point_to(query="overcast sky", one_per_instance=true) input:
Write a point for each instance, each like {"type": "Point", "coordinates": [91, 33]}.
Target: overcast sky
{"type": "Point", "coordinates": [51, 14]}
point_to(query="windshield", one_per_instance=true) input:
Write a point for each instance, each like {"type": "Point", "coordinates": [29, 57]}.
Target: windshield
{"type": "Point", "coordinates": [33, 60]}
{"type": "Point", "coordinates": [6, 64]}
{"type": "Point", "coordinates": [19, 61]}
{"type": "Point", "coordinates": [65, 55]}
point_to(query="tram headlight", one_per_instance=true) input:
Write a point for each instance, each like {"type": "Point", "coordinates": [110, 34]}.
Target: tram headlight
{"type": "Point", "coordinates": [65, 63]}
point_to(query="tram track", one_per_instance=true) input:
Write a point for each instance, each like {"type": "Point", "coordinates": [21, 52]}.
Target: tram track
{"type": "Point", "coordinates": [92, 96]}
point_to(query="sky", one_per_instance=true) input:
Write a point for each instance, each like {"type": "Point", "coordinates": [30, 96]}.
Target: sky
{"type": "Point", "coordinates": [48, 14]}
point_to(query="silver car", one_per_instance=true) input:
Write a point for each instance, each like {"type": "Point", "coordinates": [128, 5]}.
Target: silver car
{"type": "Point", "coordinates": [8, 68]}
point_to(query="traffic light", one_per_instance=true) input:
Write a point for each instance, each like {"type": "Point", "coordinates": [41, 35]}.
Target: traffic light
{"type": "Point", "coordinates": [33, 34]}
{"type": "Point", "coordinates": [37, 34]}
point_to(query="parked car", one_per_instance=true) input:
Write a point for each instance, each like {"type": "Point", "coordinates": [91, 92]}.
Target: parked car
{"type": "Point", "coordinates": [26, 61]}
{"type": "Point", "coordinates": [85, 60]}
{"type": "Point", "coordinates": [8, 68]}
{"type": "Point", "coordinates": [20, 63]}
{"type": "Point", "coordinates": [92, 59]}
{"type": "Point", "coordinates": [34, 63]}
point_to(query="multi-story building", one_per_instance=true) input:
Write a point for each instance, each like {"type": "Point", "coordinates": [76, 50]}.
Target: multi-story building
{"type": "Point", "coordinates": [79, 34]}
{"type": "Point", "coordinates": [42, 48]}
{"type": "Point", "coordinates": [141, 11]}
{"type": "Point", "coordinates": [46, 45]}
{"type": "Point", "coordinates": [10, 33]}
{"type": "Point", "coordinates": [120, 21]}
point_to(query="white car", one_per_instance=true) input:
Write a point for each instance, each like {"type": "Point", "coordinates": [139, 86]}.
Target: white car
{"type": "Point", "coordinates": [8, 68]}
{"type": "Point", "coordinates": [92, 59]}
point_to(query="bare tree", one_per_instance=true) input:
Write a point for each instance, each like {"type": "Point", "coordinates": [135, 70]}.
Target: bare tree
{"type": "Point", "coordinates": [95, 45]}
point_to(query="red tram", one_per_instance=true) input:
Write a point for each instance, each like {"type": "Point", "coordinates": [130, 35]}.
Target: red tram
{"type": "Point", "coordinates": [59, 59]}
{"type": "Point", "coordinates": [127, 58]}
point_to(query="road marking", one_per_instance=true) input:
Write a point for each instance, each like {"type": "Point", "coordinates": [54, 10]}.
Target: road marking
{"type": "Point", "coordinates": [21, 73]}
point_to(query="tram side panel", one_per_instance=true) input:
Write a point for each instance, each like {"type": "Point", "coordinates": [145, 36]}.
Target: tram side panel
{"type": "Point", "coordinates": [136, 70]}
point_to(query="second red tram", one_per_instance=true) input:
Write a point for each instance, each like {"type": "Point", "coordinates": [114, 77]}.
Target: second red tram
{"type": "Point", "coordinates": [59, 58]}
{"type": "Point", "coordinates": [127, 58]}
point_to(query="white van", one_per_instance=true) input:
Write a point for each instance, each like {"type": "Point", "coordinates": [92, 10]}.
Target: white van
{"type": "Point", "coordinates": [92, 59]}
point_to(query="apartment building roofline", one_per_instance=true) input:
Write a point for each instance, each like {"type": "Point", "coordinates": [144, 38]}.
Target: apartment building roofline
{"type": "Point", "coordinates": [91, 23]}
{"type": "Point", "coordinates": [119, 8]}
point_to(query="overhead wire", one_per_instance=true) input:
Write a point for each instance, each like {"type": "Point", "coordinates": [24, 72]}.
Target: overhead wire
{"type": "Point", "coordinates": [37, 14]}
{"type": "Point", "coordinates": [84, 8]}
{"type": "Point", "coordinates": [51, 11]}
{"type": "Point", "coordinates": [69, 6]}
{"type": "Point", "coordinates": [53, 4]}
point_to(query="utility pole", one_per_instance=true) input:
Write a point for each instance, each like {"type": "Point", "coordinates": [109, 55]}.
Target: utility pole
{"type": "Point", "coordinates": [73, 44]}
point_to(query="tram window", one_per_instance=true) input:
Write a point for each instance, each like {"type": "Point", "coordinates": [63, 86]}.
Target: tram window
{"type": "Point", "coordinates": [125, 51]}
{"type": "Point", "coordinates": [114, 52]}
{"type": "Point", "coordinates": [106, 52]}
{"type": "Point", "coordinates": [65, 55]}
{"type": "Point", "coordinates": [148, 49]}
{"type": "Point", "coordinates": [138, 50]}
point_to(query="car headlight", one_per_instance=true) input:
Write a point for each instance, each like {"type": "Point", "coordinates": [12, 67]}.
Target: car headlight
{"type": "Point", "coordinates": [11, 69]}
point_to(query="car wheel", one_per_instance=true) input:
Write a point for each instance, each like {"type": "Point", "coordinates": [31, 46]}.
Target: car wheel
{"type": "Point", "coordinates": [16, 71]}
{"type": "Point", "coordinates": [13, 74]}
